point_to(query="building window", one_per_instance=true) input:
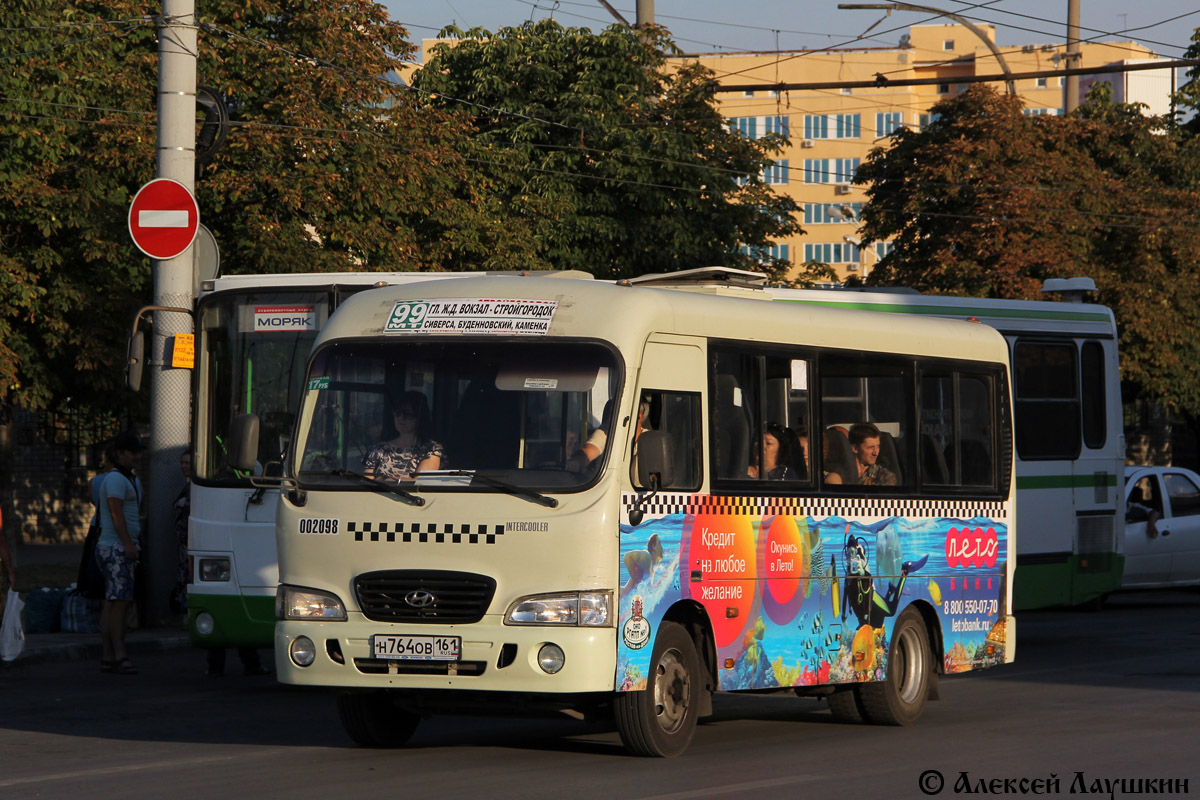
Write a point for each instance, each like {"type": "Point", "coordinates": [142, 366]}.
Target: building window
{"type": "Point", "coordinates": [830, 170]}
{"type": "Point", "coordinates": [943, 88]}
{"type": "Point", "coordinates": [753, 127]}
{"type": "Point", "coordinates": [779, 125]}
{"type": "Point", "coordinates": [883, 248]}
{"type": "Point", "coordinates": [776, 174]}
{"type": "Point", "coordinates": [748, 93]}
{"type": "Point", "coordinates": [832, 126]}
{"type": "Point", "coordinates": [824, 214]}
{"type": "Point", "coordinates": [1042, 112]}
{"type": "Point", "coordinates": [816, 126]}
{"type": "Point", "coordinates": [1040, 82]}
{"type": "Point", "coordinates": [763, 255]}
{"type": "Point", "coordinates": [831, 253]}
{"type": "Point", "coordinates": [888, 123]}
{"type": "Point", "coordinates": [947, 44]}
{"type": "Point", "coordinates": [925, 120]}
{"type": "Point", "coordinates": [849, 126]}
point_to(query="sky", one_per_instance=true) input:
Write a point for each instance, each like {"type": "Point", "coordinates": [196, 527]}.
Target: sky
{"type": "Point", "coordinates": [1165, 26]}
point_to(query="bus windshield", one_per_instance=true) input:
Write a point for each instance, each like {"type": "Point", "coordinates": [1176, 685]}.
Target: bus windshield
{"type": "Point", "coordinates": [252, 349]}
{"type": "Point", "coordinates": [457, 415]}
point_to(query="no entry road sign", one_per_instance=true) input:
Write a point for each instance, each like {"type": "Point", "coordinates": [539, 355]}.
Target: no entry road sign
{"type": "Point", "coordinates": [163, 218]}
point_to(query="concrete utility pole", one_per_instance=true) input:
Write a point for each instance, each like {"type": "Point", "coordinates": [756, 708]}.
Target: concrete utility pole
{"type": "Point", "coordinates": [1072, 86]}
{"type": "Point", "coordinates": [170, 389]}
{"type": "Point", "coordinates": [645, 13]}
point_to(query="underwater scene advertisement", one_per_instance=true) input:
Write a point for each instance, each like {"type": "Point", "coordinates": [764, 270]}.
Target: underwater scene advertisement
{"type": "Point", "coordinates": [798, 599]}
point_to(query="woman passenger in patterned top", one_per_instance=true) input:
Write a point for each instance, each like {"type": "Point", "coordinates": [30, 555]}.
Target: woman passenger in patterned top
{"type": "Point", "coordinates": [412, 450]}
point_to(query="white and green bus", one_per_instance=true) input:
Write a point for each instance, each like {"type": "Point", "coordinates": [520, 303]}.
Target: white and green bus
{"type": "Point", "coordinates": [254, 334]}
{"type": "Point", "coordinates": [624, 515]}
{"type": "Point", "coordinates": [1069, 431]}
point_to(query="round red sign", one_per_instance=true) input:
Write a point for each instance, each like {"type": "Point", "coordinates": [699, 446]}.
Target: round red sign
{"type": "Point", "coordinates": [163, 218]}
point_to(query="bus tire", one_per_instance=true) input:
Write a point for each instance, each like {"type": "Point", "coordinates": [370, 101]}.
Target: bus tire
{"type": "Point", "coordinates": [661, 720]}
{"type": "Point", "coordinates": [372, 720]}
{"type": "Point", "coordinates": [900, 698]}
{"type": "Point", "coordinates": [845, 705]}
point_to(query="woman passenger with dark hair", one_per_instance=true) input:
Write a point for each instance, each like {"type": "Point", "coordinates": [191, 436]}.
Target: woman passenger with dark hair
{"type": "Point", "coordinates": [777, 455]}
{"type": "Point", "coordinates": [412, 449]}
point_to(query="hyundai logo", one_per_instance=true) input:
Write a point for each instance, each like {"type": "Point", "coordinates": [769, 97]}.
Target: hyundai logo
{"type": "Point", "coordinates": [419, 598]}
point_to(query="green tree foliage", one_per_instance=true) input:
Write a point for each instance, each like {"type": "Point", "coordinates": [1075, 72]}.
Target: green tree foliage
{"type": "Point", "coordinates": [989, 202]}
{"type": "Point", "coordinates": [328, 167]}
{"type": "Point", "coordinates": [616, 164]}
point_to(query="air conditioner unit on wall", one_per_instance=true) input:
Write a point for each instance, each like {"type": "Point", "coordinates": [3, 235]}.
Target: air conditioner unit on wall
{"type": "Point", "coordinates": [808, 143]}
{"type": "Point", "coordinates": [842, 188]}
{"type": "Point", "coordinates": [852, 267]}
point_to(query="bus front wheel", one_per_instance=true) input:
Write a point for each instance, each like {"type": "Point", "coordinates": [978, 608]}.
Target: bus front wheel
{"type": "Point", "coordinates": [900, 698]}
{"type": "Point", "coordinates": [661, 720]}
{"type": "Point", "coordinates": [372, 720]}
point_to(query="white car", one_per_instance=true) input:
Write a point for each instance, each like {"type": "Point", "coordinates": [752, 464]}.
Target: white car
{"type": "Point", "coordinates": [1162, 527]}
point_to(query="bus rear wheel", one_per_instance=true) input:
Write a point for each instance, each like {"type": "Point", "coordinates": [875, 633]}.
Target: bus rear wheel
{"type": "Point", "coordinates": [371, 719]}
{"type": "Point", "coordinates": [845, 705]}
{"type": "Point", "coordinates": [900, 698]}
{"type": "Point", "coordinates": [661, 720]}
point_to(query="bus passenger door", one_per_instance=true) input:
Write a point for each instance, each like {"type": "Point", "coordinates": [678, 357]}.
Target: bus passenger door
{"type": "Point", "coordinates": [672, 379]}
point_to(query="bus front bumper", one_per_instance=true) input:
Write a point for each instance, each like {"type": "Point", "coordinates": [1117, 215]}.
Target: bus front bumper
{"type": "Point", "coordinates": [494, 657]}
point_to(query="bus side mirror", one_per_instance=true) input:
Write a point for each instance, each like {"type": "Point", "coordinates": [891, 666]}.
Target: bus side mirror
{"type": "Point", "coordinates": [135, 357]}
{"type": "Point", "coordinates": [655, 467]}
{"type": "Point", "coordinates": [242, 443]}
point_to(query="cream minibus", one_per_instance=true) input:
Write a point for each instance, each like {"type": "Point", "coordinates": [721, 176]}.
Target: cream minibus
{"type": "Point", "coordinates": [618, 499]}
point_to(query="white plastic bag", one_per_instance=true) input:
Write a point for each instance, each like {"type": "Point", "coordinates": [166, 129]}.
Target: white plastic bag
{"type": "Point", "coordinates": [12, 634]}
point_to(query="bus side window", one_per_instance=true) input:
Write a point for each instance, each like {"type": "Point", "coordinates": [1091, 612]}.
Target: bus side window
{"type": "Point", "coordinates": [956, 430]}
{"type": "Point", "coordinates": [676, 414]}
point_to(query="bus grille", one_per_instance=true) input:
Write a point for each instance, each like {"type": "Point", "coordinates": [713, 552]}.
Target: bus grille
{"type": "Point", "coordinates": [419, 596]}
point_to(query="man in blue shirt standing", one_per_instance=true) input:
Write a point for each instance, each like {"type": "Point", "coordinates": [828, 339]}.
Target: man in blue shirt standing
{"type": "Point", "coordinates": [117, 550]}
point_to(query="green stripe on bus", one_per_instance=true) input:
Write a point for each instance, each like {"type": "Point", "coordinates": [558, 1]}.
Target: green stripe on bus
{"type": "Point", "coordinates": [946, 311]}
{"type": "Point", "coordinates": [238, 620]}
{"type": "Point", "coordinates": [1063, 481]}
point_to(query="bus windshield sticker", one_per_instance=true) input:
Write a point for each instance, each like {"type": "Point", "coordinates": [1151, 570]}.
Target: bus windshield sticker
{"type": "Point", "coordinates": [321, 382]}
{"type": "Point", "coordinates": [458, 315]}
{"type": "Point", "coordinates": [284, 318]}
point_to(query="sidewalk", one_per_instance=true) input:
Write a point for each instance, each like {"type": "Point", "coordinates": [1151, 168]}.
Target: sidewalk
{"type": "Point", "coordinates": [42, 647]}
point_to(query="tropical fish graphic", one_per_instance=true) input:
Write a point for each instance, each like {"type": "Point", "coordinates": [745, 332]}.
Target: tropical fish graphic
{"type": "Point", "coordinates": [819, 571]}
{"type": "Point", "coordinates": [935, 592]}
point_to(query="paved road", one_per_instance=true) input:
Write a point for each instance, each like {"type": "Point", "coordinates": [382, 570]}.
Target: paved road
{"type": "Point", "coordinates": [1112, 695]}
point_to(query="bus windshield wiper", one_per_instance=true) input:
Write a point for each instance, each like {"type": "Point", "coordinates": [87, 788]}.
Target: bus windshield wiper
{"type": "Point", "coordinates": [387, 486]}
{"type": "Point", "coordinates": [510, 488]}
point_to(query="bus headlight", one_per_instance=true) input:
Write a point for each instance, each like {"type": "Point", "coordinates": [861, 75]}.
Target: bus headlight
{"type": "Point", "coordinates": [214, 569]}
{"type": "Point", "coordinates": [293, 602]}
{"type": "Point", "coordinates": [582, 609]}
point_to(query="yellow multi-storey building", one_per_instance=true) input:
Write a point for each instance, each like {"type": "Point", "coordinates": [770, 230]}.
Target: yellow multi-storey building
{"type": "Point", "coordinates": [830, 131]}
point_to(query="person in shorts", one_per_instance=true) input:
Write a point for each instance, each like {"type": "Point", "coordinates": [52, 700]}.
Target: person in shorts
{"type": "Point", "coordinates": [117, 550]}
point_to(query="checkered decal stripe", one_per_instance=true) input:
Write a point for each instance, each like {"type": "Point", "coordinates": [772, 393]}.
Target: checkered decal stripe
{"type": "Point", "coordinates": [408, 532]}
{"type": "Point", "coordinates": [818, 507]}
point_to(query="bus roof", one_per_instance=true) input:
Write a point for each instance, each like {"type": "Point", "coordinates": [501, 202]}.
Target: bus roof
{"type": "Point", "coordinates": [319, 280]}
{"type": "Point", "coordinates": [1006, 316]}
{"type": "Point", "coordinates": [625, 313]}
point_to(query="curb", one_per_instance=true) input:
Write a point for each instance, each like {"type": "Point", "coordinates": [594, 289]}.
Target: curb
{"type": "Point", "coordinates": [42, 648]}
